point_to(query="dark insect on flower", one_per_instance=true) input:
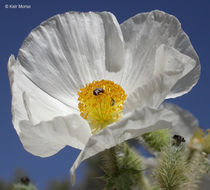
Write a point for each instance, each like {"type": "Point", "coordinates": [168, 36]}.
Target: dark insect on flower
{"type": "Point", "coordinates": [113, 102]}
{"type": "Point", "coordinates": [98, 91]}
{"type": "Point", "coordinates": [25, 180]}
{"type": "Point", "coordinates": [178, 140]}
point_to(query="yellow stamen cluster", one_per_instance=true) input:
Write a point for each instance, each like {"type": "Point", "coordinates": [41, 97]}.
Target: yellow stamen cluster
{"type": "Point", "coordinates": [198, 135]}
{"type": "Point", "coordinates": [101, 103]}
{"type": "Point", "coordinates": [201, 141]}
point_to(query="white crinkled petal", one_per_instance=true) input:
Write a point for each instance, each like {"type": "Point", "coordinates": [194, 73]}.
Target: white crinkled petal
{"type": "Point", "coordinates": [114, 43]}
{"type": "Point", "coordinates": [70, 50]}
{"type": "Point", "coordinates": [170, 66]}
{"type": "Point", "coordinates": [48, 137]}
{"type": "Point", "coordinates": [143, 34]}
{"type": "Point", "coordinates": [29, 102]}
{"type": "Point", "coordinates": [37, 117]}
{"type": "Point", "coordinates": [183, 122]}
{"type": "Point", "coordinates": [130, 126]}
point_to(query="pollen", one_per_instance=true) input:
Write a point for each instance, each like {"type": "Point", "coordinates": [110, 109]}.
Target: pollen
{"type": "Point", "coordinates": [101, 103]}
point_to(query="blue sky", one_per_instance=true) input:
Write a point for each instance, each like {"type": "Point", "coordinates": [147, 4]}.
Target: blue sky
{"type": "Point", "coordinates": [15, 25]}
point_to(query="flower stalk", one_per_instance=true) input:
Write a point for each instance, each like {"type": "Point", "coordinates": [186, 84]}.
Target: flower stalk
{"type": "Point", "coordinates": [123, 169]}
{"type": "Point", "coordinates": [170, 172]}
{"type": "Point", "coordinates": [195, 170]}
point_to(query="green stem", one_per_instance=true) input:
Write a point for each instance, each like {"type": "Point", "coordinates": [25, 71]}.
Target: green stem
{"type": "Point", "coordinates": [195, 169]}
{"type": "Point", "coordinates": [123, 169]}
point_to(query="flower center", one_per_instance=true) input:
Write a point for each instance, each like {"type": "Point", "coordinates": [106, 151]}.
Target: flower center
{"type": "Point", "coordinates": [101, 103]}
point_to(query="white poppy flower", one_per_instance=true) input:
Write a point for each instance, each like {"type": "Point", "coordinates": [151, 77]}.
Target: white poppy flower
{"type": "Point", "coordinates": [148, 58]}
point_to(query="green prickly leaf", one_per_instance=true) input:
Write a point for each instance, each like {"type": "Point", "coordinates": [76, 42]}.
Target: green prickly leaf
{"type": "Point", "coordinates": [157, 139]}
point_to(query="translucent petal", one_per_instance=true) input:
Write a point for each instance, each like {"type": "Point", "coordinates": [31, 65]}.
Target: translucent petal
{"type": "Point", "coordinates": [48, 137]}
{"type": "Point", "coordinates": [37, 117]}
{"type": "Point", "coordinates": [183, 122]}
{"type": "Point", "coordinates": [170, 66]}
{"type": "Point", "coordinates": [143, 34]}
{"type": "Point", "coordinates": [29, 102]}
{"type": "Point", "coordinates": [70, 50]}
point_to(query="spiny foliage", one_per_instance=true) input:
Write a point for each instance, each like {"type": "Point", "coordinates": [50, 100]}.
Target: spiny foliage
{"type": "Point", "coordinates": [24, 184]}
{"type": "Point", "coordinates": [206, 164]}
{"type": "Point", "coordinates": [157, 139]}
{"type": "Point", "coordinates": [195, 168]}
{"type": "Point", "coordinates": [20, 186]}
{"type": "Point", "coordinates": [170, 172]}
{"type": "Point", "coordinates": [122, 167]}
